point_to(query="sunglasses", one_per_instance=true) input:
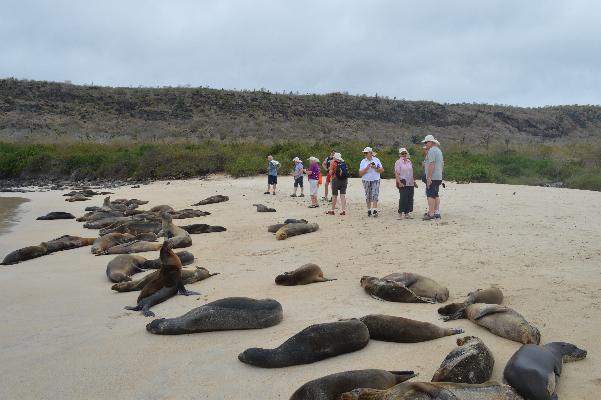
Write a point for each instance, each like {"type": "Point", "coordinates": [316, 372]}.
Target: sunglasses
{"type": "Point", "coordinates": [403, 154]}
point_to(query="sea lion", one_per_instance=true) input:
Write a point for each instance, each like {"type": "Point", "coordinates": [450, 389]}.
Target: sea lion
{"type": "Point", "coordinates": [77, 197]}
{"type": "Point", "coordinates": [104, 222]}
{"type": "Point", "coordinates": [98, 215]}
{"type": "Point", "coordinates": [491, 295]}
{"type": "Point", "coordinates": [164, 285]}
{"type": "Point", "coordinates": [211, 200]}
{"type": "Point", "coordinates": [471, 362]}
{"type": "Point", "coordinates": [274, 228]}
{"type": "Point", "coordinates": [534, 371]}
{"type": "Point", "coordinates": [312, 344]}
{"type": "Point", "coordinates": [381, 289]}
{"type": "Point", "coordinates": [189, 276]}
{"type": "Point", "coordinates": [68, 242]}
{"type": "Point", "coordinates": [133, 227]}
{"type": "Point", "coordinates": [121, 268]}
{"type": "Point", "coordinates": [504, 322]}
{"type": "Point", "coordinates": [263, 208]}
{"type": "Point", "coordinates": [330, 387]}
{"type": "Point", "coordinates": [436, 391]}
{"type": "Point", "coordinates": [296, 221]}
{"type": "Point", "coordinates": [290, 230]}
{"type": "Point", "coordinates": [135, 246]}
{"type": "Point", "coordinates": [105, 242]}
{"type": "Point", "coordinates": [188, 213]}
{"type": "Point", "coordinates": [232, 313]}
{"type": "Point", "coordinates": [56, 215]}
{"type": "Point", "coordinates": [308, 273]}
{"type": "Point", "coordinates": [25, 253]}
{"type": "Point", "coordinates": [202, 228]}
{"type": "Point", "coordinates": [174, 235]}
{"type": "Point", "coordinates": [403, 330]}
{"type": "Point", "coordinates": [420, 285]}
{"type": "Point", "coordinates": [185, 257]}
{"type": "Point", "coordinates": [161, 209]}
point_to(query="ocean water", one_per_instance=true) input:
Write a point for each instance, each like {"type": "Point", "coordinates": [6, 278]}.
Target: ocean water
{"type": "Point", "coordinates": [9, 212]}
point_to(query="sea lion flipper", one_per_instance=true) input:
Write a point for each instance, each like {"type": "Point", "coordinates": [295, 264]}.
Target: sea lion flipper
{"type": "Point", "coordinates": [490, 309]}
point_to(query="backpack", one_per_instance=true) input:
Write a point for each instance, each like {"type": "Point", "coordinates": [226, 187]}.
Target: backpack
{"type": "Point", "coordinates": [341, 172]}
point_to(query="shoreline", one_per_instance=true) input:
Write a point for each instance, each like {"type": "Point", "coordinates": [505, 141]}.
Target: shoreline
{"type": "Point", "coordinates": [9, 212]}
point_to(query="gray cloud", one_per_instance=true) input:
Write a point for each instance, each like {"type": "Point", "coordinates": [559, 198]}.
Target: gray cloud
{"type": "Point", "coordinates": [497, 51]}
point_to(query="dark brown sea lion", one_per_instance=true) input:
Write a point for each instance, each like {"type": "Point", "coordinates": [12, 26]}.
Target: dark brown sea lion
{"type": "Point", "coordinates": [68, 242]}
{"type": "Point", "coordinates": [263, 208]}
{"type": "Point", "coordinates": [312, 344]}
{"type": "Point", "coordinates": [174, 235]}
{"type": "Point", "coordinates": [202, 228]}
{"type": "Point", "coordinates": [165, 285]}
{"type": "Point", "coordinates": [56, 215]}
{"type": "Point", "coordinates": [25, 253]}
{"type": "Point", "coordinates": [436, 391]}
{"type": "Point", "coordinates": [211, 200]}
{"type": "Point", "coordinates": [471, 362]}
{"type": "Point", "coordinates": [308, 273]}
{"type": "Point", "coordinates": [290, 230]}
{"type": "Point", "coordinates": [491, 295]}
{"type": "Point", "coordinates": [534, 371]}
{"type": "Point", "coordinates": [189, 276]}
{"type": "Point", "coordinates": [403, 330]}
{"type": "Point", "coordinates": [232, 313]}
{"type": "Point", "coordinates": [420, 285]}
{"type": "Point", "coordinates": [504, 322]}
{"type": "Point", "coordinates": [330, 387]}
{"type": "Point", "coordinates": [391, 291]}
{"type": "Point", "coordinates": [274, 228]}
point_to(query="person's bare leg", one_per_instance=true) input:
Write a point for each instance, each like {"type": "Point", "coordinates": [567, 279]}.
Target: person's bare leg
{"type": "Point", "coordinates": [334, 198]}
{"type": "Point", "coordinates": [343, 201]}
{"type": "Point", "coordinates": [431, 206]}
{"type": "Point", "coordinates": [326, 189]}
{"type": "Point", "coordinates": [274, 188]}
{"type": "Point", "coordinates": [437, 205]}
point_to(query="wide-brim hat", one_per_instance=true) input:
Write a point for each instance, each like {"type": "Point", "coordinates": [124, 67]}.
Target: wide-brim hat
{"type": "Point", "coordinates": [296, 159]}
{"type": "Point", "coordinates": [404, 150]}
{"type": "Point", "coordinates": [430, 138]}
{"type": "Point", "coordinates": [369, 150]}
{"type": "Point", "coordinates": [313, 159]}
{"type": "Point", "coordinates": [338, 157]}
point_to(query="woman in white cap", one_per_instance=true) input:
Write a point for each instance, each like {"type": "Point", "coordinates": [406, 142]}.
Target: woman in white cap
{"type": "Point", "coordinates": [298, 176]}
{"type": "Point", "coordinates": [433, 163]}
{"type": "Point", "coordinates": [370, 170]}
{"type": "Point", "coordinates": [403, 171]}
{"type": "Point", "coordinates": [339, 175]}
{"type": "Point", "coordinates": [313, 177]}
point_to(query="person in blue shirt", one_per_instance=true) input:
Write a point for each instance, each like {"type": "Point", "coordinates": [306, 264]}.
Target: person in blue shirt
{"type": "Point", "coordinates": [272, 173]}
{"type": "Point", "coordinates": [298, 174]}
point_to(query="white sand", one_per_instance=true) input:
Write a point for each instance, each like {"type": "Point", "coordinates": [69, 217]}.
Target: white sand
{"type": "Point", "coordinates": [65, 334]}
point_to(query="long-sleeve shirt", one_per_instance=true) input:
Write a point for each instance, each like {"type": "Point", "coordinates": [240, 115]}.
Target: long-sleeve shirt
{"type": "Point", "coordinates": [404, 170]}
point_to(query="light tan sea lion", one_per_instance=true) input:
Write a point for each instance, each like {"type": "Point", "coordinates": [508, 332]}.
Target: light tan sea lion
{"type": "Point", "coordinates": [135, 246]}
{"type": "Point", "coordinates": [105, 242]}
{"type": "Point", "coordinates": [491, 295]}
{"type": "Point", "coordinates": [174, 235]}
{"type": "Point", "coordinates": [381, 289]}
{"type": "Point", "coordinates": [68, 242]}
{"type": "Point", "coordinates": [263, 208]}
{"type": "Point", "coordinates": [420, 285]}
{"type": "Point", "coordinates": [389, 328]}
{"type": "Point", "coordinates": [121, 268]}
{"type": "Point", "coordinates": [308, 273]}
{"type": "Point", "coordinates": [211, 200]}
{"type": "Point", "coordinates": [290, 230]}
{"type": "Point", "coordinates": [471, 362]}
{"type": "Point", "coordinates": [504, 322]}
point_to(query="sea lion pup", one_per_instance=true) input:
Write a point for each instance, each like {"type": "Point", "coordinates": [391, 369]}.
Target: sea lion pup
{"type": "Point", "coordinates": [56, 215]}
{"type": "Point", "coordinates": [231, 313]}
{"type": "Point", "coordinates": [202, 228]}
{"type": "Point", "coordinates": [161, 209]}
{"type": "Point", "coordinates": [312, 344]}
{"type": "Point", "coordinates": [174, 235]}
{"type": "Point", "coordinates": [471, 362]}
{"type": "Point", "coordinates": [167, 283]}
{"type": "Point", "coordinates": [420, 285]}
{"type": "Point", "coordinates": [211, 200]}
{"type": "Point", "coordinates": [308, 273]}
{"type": "Point", "coordinates": [330, 387]}
{"type": "Point", "coordinates": [504, 322]}
{"type": "Point", "coordinates": [68, 242]}
{"type": "Point", "coordinates": [121, 268]}
{"type": "Point", "coordinates": [492, 295]}
{"type": "Point", "coordinates": [263, 208]}
{"type": "Point", "coordinates": [25, 253]}
{"type": "Point", "coordinates": [534, 371]}
{"type": "Point", "coordinates": [290, 230]}
{"type": "Point", "coordinates": [381, 289]}
{"type": "Point", "coordinates": [436, 391]}
{"type": "Point", "coordinates": [189, 276]}
{"type": "Point", "coordinates": [403, 330]}
{"type": "Point", "coordinates": [105, 242]}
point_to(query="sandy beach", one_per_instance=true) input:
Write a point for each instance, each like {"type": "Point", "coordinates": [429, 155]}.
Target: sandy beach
{"type": "Point", "coordinates": [65, 334]}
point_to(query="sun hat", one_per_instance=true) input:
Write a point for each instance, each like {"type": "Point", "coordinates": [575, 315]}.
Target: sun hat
{"type": "Point", "coordinates": [404, 150]}
{"type": "Point", "coordinates": [369, 150]}
{"type": "Point", "coordinates": [338, 157]}
{"type": "Point", "coordinates": [313, 159]}
{"type": "Point", "coordinates": [430, 138]}
{"type": "Point", "coordinates": [296, 159]}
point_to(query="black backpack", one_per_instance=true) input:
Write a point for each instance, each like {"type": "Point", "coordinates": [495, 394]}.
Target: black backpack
{"type": "Point", "coordinates": [341, 172]}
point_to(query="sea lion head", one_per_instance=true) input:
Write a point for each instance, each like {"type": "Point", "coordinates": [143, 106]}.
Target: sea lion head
{"type": "Point", "coordinates": [569, 352]}
{"type": "Point", "coordinates": [283, 279]}
{"type": "Point", "coordinates": [530, 335]}
{"type": "Point", "coordinates": [466, 339]}
{"type": "Point", "coordinates": [366, 280]}
{"type": "Point", "coordinates": [166, 217]}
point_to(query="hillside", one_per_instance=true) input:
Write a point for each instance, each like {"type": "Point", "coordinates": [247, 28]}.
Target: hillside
{"type": "Point", "coordinates": [36, 111]}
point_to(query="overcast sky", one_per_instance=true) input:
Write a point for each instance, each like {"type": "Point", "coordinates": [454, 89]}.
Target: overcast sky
{"type": "Point", "coordinates": [525, 52]}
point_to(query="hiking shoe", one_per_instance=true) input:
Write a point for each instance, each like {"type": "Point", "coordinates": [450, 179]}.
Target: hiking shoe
{"type": "Point", "coordinates": [437, 216]}
{"type": "Point", "coordinates": [428, 217]}
{"type": "Point", "coordinates": [266, 193]}
{"type": "Point", "coordinates": [273, 193]}
{"type": "Point", "coordinates": [343, 213]}
{"type": "Point", "coordinates": [302, 195]}
{"type": "Point", "coordinates": [292, 195]}
{"type": "Point", "coordinates": [375, 213]}
{"type": "Point", "coordinates": [330, 213]}
{"type": "Point", "coordinates": [369, 213]}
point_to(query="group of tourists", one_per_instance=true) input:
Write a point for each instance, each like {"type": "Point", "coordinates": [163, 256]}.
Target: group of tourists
{"type": "Point", "coordinates": [370, 170]}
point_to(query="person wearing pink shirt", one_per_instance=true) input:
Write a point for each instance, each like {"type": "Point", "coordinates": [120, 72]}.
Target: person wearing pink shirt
{"type": "Point", "coordinates": [403, 171]}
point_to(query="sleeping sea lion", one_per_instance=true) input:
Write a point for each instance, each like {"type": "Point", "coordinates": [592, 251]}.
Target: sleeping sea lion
{"type": "Point", "coordinates": [312, 344]}
{"type": "Point", "coordinates": [274, 228]}
{"type": "Point", "coordinates": [290, 230]}
{"type": "Point", "coordinates": [189, 276]}
{"type": "Point", "coordinates": [491, 295]}
{"type": "Point", "coordinates": [133, 227]}
{"type": "Point", "coordinates": [471, 362]}
{"type": "Point", "coordinates": [165, 285]}
{"type": "Point", "coordinates": [25, 253]}
{"type": "Point", "coordinates": [161, 209]}
{"type": "Point", "coordinates": [68, 242]}
{"type": "Point", "coordinates": [403, 330]}
{"type": "Point", "coordinates": [391, 291]}
{"type": "Point", "coordinates": [174, 235]}
{"type": "Point", "coordinates": [188, 213]}
{"type": "Point", "coordinates": [232, 313]}
{"type": "Point", "coordinates": [135, 246]}
{"type": "Point", "coordinates": [56, 215]}
{"type": "Point", "coordinates": [308, 273]}
{"type": "Point", "coordinates": [436, 391]}
{"type": "Point", "coordinates": [534, 371]}
{"type": "Point", "coordinates": [104, 222]}
{"type": "Point", "coordinates": [98, 215]}
{"type": "Point", "coordinates": [504, 322]}
{"type": "Point", "coordinates": [330, 387]}
{"type": "Point", "coordinates": [420, 285]}
{"type": "Point", "coordinates": [105, 242]}
{"type": "Point", "coordinates": [121, 268]}
{"type": "Point", "coordinates": [211, 200]}
{"type": "Point", "coordinates": [202, 228]}
{"type": "Point", "coordinates": [263, 208]}
{"type": "Point", "coordinates": [296, 221]}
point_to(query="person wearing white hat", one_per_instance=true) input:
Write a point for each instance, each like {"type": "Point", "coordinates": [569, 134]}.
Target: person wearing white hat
{"type": "Point", "coordinates": [434, 164]}
{"type": "Point", "coordinates": [272, 173]}
{"type": "Point", "coordinates": [403, 171]}
{"type": "Point", "coordinates": [298, 173]}
{"type": "Point", "coordinates": [370, 170]}
{"type": "Point", "coordinates": [313, 178]}
{"type": "Point", "coordinates": [339, 174]}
